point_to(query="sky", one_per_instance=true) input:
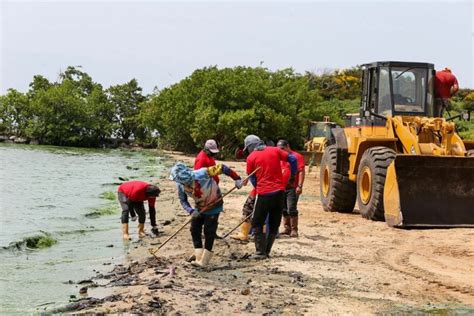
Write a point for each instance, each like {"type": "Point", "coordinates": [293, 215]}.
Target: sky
{"type": "Point", "coordinates": [160, 43]}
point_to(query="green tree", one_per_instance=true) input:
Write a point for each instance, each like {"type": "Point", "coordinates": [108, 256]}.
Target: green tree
{"type": "Point", "coordinates": [74, 111]}
{"type": "Point", "coordinates": [14, 113]}
{"type": "Point", "coordinates": [227, 104]}
{"type": "Point", "coordinates": [126, 99]}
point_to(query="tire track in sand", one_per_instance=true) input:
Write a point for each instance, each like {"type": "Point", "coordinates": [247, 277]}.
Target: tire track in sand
{"type": "Point", "coordinates": [429, 268]}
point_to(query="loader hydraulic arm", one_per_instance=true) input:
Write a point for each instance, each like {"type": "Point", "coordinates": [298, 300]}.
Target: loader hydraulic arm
{"type": "Point", "coordinates": [408, 140]}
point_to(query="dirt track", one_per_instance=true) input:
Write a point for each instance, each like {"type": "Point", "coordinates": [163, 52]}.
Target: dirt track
{"type": "Point", "coordinates": [341, 263]}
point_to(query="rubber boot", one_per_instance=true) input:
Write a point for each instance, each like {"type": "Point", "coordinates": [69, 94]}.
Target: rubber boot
{"type": "Point", "coordinates": [155, 230]}
{"type": "Point", "coordinates": [126, 236]}
{"type": "Point", "coordinates": [141, 230]}
{"type": "Point", "coordinates": [260, 246]}
{"type": "Point", "coordinates": [243, 235]}
{"type": "Point", "coordinates": [196, 256]}
{"type": "Point", "coordinates": [270, 241]}
{"type": "Point", "coordinates": [205, 259]}
{"type": "Point", "coordinates": [286, 226]}
{"type": "Point", "coordinates": [294, 226]}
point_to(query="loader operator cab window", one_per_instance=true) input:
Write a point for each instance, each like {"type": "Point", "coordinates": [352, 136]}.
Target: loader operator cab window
{"type": "Point", "coordinates": [385, 100]}
{"type": "Point", "coordinates": [409, 89]}
{"type": "Point", "coordinates": [320, 130]}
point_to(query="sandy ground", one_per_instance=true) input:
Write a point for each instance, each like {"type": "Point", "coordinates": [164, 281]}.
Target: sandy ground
{"type": "Point", "coordinates": [340, 264]}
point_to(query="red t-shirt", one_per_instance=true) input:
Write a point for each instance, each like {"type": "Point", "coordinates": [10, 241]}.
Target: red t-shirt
{"type": "Point", "coordinates": [135, 191]}
{"type": "Point", "coordinates": [444, 80]}
{"type": "Point", "coordinates": [269, 176]}
{"type": "Point", "coordinates": [286, 170]}
{"type": "Point", "coordinates": [203, 161]}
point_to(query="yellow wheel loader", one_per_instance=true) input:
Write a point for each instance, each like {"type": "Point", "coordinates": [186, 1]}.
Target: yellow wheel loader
{"type": "Point", "coordinates": [399, 162]}
{"type": "Point", "coordinates": [320, 137]}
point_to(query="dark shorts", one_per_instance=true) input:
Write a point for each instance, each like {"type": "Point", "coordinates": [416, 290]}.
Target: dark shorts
{"type": "Point", "coordinates": [131, 207]}
{"type": "Point", "coordinates": [439, 106]}
{"type": "Point", "coordinates": [290, 205]}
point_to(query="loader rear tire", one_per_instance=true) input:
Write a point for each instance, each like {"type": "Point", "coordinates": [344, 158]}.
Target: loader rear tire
{"type": "Point", "coordinates": [338, 193]}
{"type": "Point", "coordinates": [371, 181]}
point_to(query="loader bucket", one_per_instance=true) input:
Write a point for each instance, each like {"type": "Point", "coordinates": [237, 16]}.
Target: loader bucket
{"type": "Point", "coordinates": [430, 191]}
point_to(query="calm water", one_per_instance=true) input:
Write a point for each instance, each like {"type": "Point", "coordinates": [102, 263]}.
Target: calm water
{"type": "Point", "coordinates": [49, 190]}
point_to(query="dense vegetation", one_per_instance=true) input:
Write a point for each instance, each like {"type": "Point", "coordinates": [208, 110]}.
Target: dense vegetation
{"type": "Point", "coordinates": [225, 104]}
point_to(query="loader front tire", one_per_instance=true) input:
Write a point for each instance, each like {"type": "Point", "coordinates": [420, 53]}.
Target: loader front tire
{"type": "Point", "coordinates": [338, 193]}
{"type": "Point", "coordinates": [371, 181]}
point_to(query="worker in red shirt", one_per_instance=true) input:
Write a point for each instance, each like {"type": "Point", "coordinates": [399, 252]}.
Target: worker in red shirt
{"type": "Point", "coordinates": [269, 188]}
{"type": "Point", "coordinates": [205, 158]}
{"type": "Point", "coordinates": [293, 191]}
{"type": "Point", "coordinates": [446, 85]}
{"type": "Point", "coordinates": [131, 195]}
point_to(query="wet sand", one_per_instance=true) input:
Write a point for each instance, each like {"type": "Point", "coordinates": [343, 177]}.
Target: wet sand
{"type": "Point", "coordinates": [339, 264]}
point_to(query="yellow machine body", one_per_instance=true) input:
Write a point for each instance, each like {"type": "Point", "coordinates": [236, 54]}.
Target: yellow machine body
{"type": "Point", "coordinates": [319, 138]}
{"type": "Point", "coordinates": [399, 159]}
{"type": "Point", "coordinates": [431, 180]}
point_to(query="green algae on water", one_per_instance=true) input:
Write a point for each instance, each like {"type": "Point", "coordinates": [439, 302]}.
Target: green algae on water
{"type": "Point", "coordinates": [39, 241]}
{"type": "Point", "coordinates": [108, 195]}
{"type": "Point", "coordinates": [110, 209]}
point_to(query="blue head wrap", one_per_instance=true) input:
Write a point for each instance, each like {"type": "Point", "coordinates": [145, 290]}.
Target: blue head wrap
{"type": "Point", "coordinates": [182, 174]}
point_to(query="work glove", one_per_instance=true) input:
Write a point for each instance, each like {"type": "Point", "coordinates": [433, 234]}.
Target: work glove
{"type": "Point", "coordinates": [238, 183]}
{"type": "Point", "coordinates": [195, 214]}
{"type": "Point", "coordinates": [154, 230]}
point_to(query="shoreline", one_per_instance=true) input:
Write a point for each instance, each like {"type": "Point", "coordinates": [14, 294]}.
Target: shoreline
{"type": "Point", "coordinates": [329, 269]}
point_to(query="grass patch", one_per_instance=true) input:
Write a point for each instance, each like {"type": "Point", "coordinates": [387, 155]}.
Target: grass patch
{"type": "Point", "coordinates": [110, 209]}
{"type": "Point", "coordinates": [108, 195]}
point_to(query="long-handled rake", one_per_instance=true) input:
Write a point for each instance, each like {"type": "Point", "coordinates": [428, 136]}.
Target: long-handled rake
{"type": "Point", "coordinates": [233, 229]}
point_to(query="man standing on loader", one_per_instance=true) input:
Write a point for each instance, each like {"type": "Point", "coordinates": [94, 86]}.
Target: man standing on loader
{"type": "Point", "coordinates": [292, 191]}
{"type": "Point", "coordinates": [269, 188]}
{"type": "Point", "coordinates": [446, 85]}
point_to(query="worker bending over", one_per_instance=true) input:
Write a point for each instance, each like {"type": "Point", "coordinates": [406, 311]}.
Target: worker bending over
{"type": "Point", "coordinates": [131, 195]}
{"type": "Point", "coordinates": [201, 186]}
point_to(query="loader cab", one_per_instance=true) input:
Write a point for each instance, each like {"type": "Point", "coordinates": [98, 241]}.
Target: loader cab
{"type": "Point", "coordinates": [393, 88]}
{"type": "Point", "coordinates": [321, 129]}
